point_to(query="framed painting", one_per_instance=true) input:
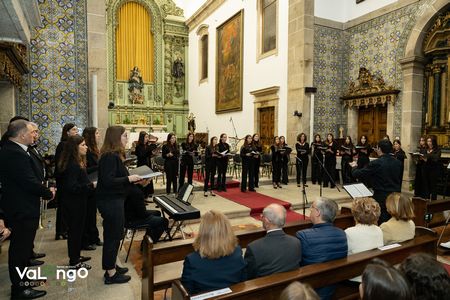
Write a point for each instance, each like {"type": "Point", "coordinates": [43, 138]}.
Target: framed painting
{"type": "Point", "coordinates": [229, 64]}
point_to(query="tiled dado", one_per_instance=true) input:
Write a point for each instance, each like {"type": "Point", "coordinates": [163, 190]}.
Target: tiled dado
{"type": "Point", "coordinates": [56, 90]}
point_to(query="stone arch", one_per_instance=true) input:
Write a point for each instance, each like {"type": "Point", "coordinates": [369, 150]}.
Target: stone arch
{"type": "Point", "coordinates": [413, 75]}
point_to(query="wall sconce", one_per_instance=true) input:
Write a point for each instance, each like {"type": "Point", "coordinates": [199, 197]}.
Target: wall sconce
{"type": "Point", "coordinates": [297, 114]}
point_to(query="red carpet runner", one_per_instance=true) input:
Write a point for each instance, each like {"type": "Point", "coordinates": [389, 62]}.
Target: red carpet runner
{"type": "Point", "coordinates": [256, 202]}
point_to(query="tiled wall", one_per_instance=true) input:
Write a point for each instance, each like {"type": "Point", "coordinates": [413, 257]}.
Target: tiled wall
{"type": "Point", "coordinates": [377, 44]}
{"type": "Point", "coordinates": [57, 89]}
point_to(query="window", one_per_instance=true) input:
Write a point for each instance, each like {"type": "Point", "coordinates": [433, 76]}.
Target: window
{"type": "Point", "coordinates": [268, 25]}
{"type": "Point", "coordinates": [204, 57]}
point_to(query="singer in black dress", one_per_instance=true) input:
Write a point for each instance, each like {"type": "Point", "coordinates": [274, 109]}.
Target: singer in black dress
{"type": "Point", "coordinates": [317, 160]}
{"type": "Point", "coordinates": [170, 153]}
{"type": "Point", "coordinates": [211, 156]}
{"type": "Point", "coordinates": [330, 161]}
{"type": "Point", "coordinates": [222, 163]}
{"type": "Point", "coordinates": [302, 148]}
{"type": "Point", "coordinates": [432, 168]}
{"type": "Point", "coordinates": [187, 159]}
{"type": "Point", "coordinates": [276, 162]}
{"type": "Point", "coordinates": [247, 165]}
{"type": "Point", "coordinates": [363, 150]}
{"type": "Point", "coordinates": [418, 179]}
{"type": "Point", "coordinates": [256, 143]}
{"type": "Point", "coordinates": [347, 152]}
{"type": "Point", "coordinates": [285, 156]}
{"type": "Point", "coordinates": [143, 153]}
{"type": "Point", "coordinates": [400, 155]}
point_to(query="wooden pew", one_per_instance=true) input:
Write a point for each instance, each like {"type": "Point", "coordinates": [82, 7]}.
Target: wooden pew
{"type": "Point", "coordinates": [424, 207]}
{"type": "Point", "coordinates": [164, 253]}
{"type": "Point", "coordinates": [322, 274]}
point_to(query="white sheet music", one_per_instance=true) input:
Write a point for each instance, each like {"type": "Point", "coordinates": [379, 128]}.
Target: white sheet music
{"type": "Point", "coordinates": [358, 190]}
{"type": "Point", "coordinates": [212, 294]}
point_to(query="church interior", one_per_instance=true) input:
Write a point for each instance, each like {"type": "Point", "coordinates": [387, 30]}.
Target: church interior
{"type": "Point", "coordinates": [204, 68]}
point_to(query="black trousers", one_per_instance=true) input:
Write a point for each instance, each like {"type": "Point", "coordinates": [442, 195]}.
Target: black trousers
{"type": "Point", "coordinates": [91, 234]}
{"type": "Point", "coordinates": [431, 177]}
{"type": "Point", "coordinates": [316, 171]}
{"type": "Point", "coordinates": [61, 224]}
{"type": "Point", "coordinates": [248, 170]}
{"type": "Point", "coordinates": [418, 181]}
{"type": "Point", "coordinates": [276, 172]}
{"type": "Point", "coordinates": [189, 167]}
{"type": "Point", "coordinates": [222, 166]}
{"type": "Point", "coordinates": [156, 224]}
{"type": "Point", "coordinates": [210, 172]}
{"type": "Point", "coordinates": [301, 169]}
{"type": "Point", "coordinates": [256, 164]}
{"type": "Point", "coordinates": [75, 212]}
{"type": "Point", "coordinates": [112, 211]}
{"type": "Point", "coordinates": [330, 166]}
{"type": "Point", "coordinates": [20, 248]}
{"type": "Point", "coordinates": [380, 197]}
{"type": "Point", "coordinates": [346, 170]}
{"type": "Point", "coordinates": [171, 169]}
{"type": "Point", "coordinates": [284, 172]}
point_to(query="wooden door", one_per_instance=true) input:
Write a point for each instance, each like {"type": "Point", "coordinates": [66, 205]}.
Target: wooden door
{"type": "Point", "coordinates": [266, 126]}
{"type": "Point", "coordinates": [372, 122]}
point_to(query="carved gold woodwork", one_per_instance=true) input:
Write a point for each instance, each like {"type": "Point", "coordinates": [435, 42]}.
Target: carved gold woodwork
{"type": "Point", "coordinates": [13, 62]}
{"type": "Point", "coordinates": [369, 90]}
{"type": "Point", "coordinates": [438, 37]}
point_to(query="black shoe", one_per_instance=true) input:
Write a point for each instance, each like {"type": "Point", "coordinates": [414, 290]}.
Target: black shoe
{"type": "Point", "coordinates": [256, 185]}
{"type": "Point", "coordinates": [37, 255]}
{"type": "Point", "coordinates": [116, 278]}
{"type": "Point", "coordinates": [252, 190]}
{"type": "Point", "coordinates": [81, 265]}
{"type": "Point", "coordinates": [224, 189]}
{"type": "Point", "coordinates": [84, 258]}
{"type": "Point", "coordinates": [205, 194]}
{"type": "Point", "coordinates": [243, 191]}
{"type": "Point", "coordinates": [332, 186]}
{"type": "Point", "coordinates": [99, 243]}
{"type": "Point", "coordinates": [121, 270]}
{"type": "Point", "coordinates": [28, 293]}
{"type": "Point", "coordinates": [89, 247]}
{"type": "Point", "coordinates": [219, 189]}
{"type": "Point", "coordinates": [35, 262]}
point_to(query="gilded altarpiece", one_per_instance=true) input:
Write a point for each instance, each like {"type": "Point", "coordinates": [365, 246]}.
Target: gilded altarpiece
{"type": "Point", "coordinates": [436, 104]}
{"type": "Point", "coordinates": [164, 106]}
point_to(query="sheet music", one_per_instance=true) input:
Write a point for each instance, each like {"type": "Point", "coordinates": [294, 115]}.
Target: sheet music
{"type": "Point", "coordinates": [416, 153]}
{"type": "Point", "coordinates": [358, 190]}
{"type": "Point", "coordinates": [223, 153]}
{"type": "Point", "coordinates": [212, 294]}
{"type": "Point", "coordinates": [144, 172]}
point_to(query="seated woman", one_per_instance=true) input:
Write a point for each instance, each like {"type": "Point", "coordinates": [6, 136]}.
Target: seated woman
{"type": "Point", "coordinates": [366, 234]}
{"type": "Point", "coordinates": [299, 291]}
{"type": "Point", "coordinates": [136, 214]}
{"type": "Point", "coordinates": [217, 261]}
{"type": "Point", "coordinates": [400, 227]}
{"type": "Point", "coordinates": [427, 276]}
{"type": "Point", "coordinates": [381, 281]}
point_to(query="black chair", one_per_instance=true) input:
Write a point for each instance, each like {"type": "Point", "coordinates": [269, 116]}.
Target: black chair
{"type": "Point", "coordinates": [158, 165]}
{"type": "Point", "coordinates": [266, 163]}
{"type": "Point", "coordinates": [237, 165]}
{"type": "Point", "coordinates": [134, 229]}
{"type": "Point", "coordinates": [199, 162]}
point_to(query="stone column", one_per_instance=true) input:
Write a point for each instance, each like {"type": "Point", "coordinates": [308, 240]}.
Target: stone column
{"type": "Point", "coordinates": [300, 66]}
{"type": "Point", "coordinates": [413, 76]}
{"type": "Point", "coordinates": [437, 96]}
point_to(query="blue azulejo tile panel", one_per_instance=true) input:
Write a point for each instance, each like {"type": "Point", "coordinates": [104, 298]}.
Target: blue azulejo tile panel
{"type": "Point", "coordinates": [56, 90]}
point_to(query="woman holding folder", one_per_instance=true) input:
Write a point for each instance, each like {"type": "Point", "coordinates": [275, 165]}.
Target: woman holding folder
{"type": "Point", "coordinates": [330, 161]}
{"type": "Point", "coordinates": [347, 152]}
{"type": "Point", "coordinates": [285, 156]}
{"type": "Point", "coordinates": [257, 147]}
{"type": "Point", "coordinates": [247, 153]}
{"type": "Point", "coordinates": [418, 179]}
{"type": "Point", "coordinates": [276, 162]}
{"type": "Point", "coordinates": [170, 153]}
{"type": "Point", "coordinates": [211, 156]}
{"type": "Point", "coordinates": [317, 160]}
{"type": "Point", "coordinates": [302, 148]}
{"type": "Point", "coordinates": [187, 159]}
{"type": "Point", "coordinates": [222, 163]}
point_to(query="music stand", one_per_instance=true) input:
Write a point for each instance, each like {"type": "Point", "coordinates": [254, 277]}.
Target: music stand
{"type": "Point", "coordinates": [326, 172]}
{"type": "Point", "coordinates": [357, 190]}
{"type": "Point", "coordinates": [304, 186]}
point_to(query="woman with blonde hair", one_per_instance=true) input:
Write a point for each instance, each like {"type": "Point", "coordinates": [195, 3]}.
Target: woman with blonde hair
{"type": "Point", "coordinates": [217, 261]}
{"type": "Point", "coordinates": [401, 226]}
{"type": "Point", "coordinates": [299, 291]}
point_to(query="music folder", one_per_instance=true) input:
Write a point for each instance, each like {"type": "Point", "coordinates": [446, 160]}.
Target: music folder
{"type": "Point", "coordinates": [144, 172]}
{"type": "Point", "coordinates": [357, 190]}
{"type": "Point", "coordinates": [416, 154]}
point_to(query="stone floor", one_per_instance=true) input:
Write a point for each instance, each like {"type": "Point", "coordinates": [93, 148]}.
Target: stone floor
{"type": "Point", "coordinates": [92, 287]}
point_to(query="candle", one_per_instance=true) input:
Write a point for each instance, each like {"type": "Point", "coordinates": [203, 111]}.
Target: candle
{"type": "Point", "coordinates": [448, 119]}
{"type": "Point", "coordinates": [426, 118]}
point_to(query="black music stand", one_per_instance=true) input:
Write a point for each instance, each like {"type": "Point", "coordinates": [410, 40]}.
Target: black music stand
{"type": "Point", "coordinates": [326, 172]}
{"type": "Point", "coordinates": [304, 186]}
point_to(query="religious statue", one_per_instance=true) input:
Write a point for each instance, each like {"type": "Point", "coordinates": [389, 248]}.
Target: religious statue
{"type": "Point", "coordinates": [191, 123]}
{"type": "Point", "coordinates": [178, 74]}
{"type": "Point", "coordinates": [341, 132]}
{"type": "Point", "coordinates": [135, 87]}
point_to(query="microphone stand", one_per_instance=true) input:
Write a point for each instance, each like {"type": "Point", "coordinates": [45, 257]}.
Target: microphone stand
{"type": "Point", "coordinates": [322, 165]}
{"type": "Point", "coordinates": [304, 186]}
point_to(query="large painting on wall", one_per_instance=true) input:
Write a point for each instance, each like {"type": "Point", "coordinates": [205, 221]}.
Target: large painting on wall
{"type": "Point", "coordinates": [229, 64]}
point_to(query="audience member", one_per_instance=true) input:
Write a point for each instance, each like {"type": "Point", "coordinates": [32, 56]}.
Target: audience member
{"type": "Point", "coordinates": [366, 234]}
{"type": "Point", "coordinates": [323, 242]}
{"type": "Point", "coordinates": [75, 188]}
{"type": "Point", "coordinates": [20, 201]}
{"type": "Point", "coordinates": [263, 256]}
{"type": "Point", "coordinates": [298, 291]}
{"type": "Point", "coordinates": [380, 281]}
{"type": "Point", "coordinates": [428, 277]}
{"type": "Point", "coordinates": [401, 226]}
{"type": "Point", "coordinates": [217, 261]}
{"type": "Point", "coordinates": [384, 174]}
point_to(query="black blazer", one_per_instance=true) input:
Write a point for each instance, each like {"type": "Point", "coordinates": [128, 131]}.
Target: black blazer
{"type": "Point", "coordinates": [91, 162]}
{"type": "Point", "coordinates": [112, 178]}
{"type": "Point", "coordinates": [143, 153]}
{"type": "Point", "coordinates": [264, 257]}
{"type": "Point", "coordinates": [75, 184]}
{"type": "Point", "coordinates": [21, 184]}
{"type": "Point", "coordinates": [38, 162]}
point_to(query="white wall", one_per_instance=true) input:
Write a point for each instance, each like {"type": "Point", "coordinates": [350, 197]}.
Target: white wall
{"type": "Point", "coordinates": [346, 10]}
{"type": "Point", "coordinates": [270, 71]}
{"type": "Point", "coordinates": [189, 6]}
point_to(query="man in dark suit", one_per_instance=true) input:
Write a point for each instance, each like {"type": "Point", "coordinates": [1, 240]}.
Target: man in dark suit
{"type": "Point", "coordinates": [276, 252]}
{"type": "Point", "coordinates": [385, 175]}
{"type": "Point", "coordinates": [20, 201]}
